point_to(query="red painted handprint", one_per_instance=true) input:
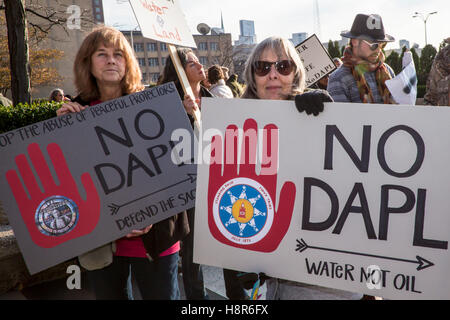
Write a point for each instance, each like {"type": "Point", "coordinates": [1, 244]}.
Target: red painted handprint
{"type": "Point", "coordinates": [58, 214]}
{"type": "Point", "coordinates": [241, 203]}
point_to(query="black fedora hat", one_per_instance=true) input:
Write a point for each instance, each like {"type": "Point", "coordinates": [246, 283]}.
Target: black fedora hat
{"type": "Point", "coordinates": [368, 27]}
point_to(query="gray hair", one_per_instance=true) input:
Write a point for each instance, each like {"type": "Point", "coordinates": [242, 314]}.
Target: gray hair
{"type": "Point", "coordinates": [280, 46]}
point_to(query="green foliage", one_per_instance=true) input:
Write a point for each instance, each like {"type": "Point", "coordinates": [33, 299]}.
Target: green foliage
{"type": "Point", "coordinates": [426, 61]}
{"type": "Point", "coordinates": [395, 62]}
{"type": "Point", "coordinates": [22, 115]}
{"type": "Point", "coordinates": [333, 49]}
{"type": "Point", "coordinates": [416, 60]}
{"type": "Point", "coordinates": [421, 89]}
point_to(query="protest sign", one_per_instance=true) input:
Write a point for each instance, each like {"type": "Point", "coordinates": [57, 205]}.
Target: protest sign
{"type": "Point", "coordinates": [73, 183]}
{"type": "Point", "coordinates": [403, 87]}
{"type": "Point", "coordinates": [163, 20]}
{"type": "Point", "coordinates": [354, 199]}
{"type": "Point", "coordinates": [316, 60]}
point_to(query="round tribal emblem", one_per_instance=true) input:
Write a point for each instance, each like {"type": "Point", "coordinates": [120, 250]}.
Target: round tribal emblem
{"type": "Point", "coordinates": [56, 215]}
{"type": "Point", "coordinates": [243, 211]}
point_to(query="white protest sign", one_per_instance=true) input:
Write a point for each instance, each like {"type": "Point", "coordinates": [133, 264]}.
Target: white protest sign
{"type": "Point", "coordinates": [163, 20]}
{"type": "Point", "coordinates": [316, 60]}
{"type": "Point", "coordinates": [404, 86]}
{"type": "Point", "coordinates": [355, 199]}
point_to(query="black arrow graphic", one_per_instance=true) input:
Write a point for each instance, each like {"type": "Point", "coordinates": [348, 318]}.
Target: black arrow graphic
{"type": "Point", "coordinates": [423, 263]}
{"type": "Point", "coordinates": [192, 177]}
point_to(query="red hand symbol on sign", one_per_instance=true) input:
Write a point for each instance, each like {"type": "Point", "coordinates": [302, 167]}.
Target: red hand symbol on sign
{"type": "Point", "coordinates": [247, 169]}
{"type": "Point", "coordinates": [88, 210]}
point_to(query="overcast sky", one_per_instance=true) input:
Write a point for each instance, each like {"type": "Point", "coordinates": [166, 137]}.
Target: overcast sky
{"type": "Point", "coordinates": [284, 17]}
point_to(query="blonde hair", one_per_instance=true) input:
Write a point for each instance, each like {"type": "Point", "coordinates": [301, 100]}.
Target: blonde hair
{"type": "Point", "coordinates": [280, 46]}
{"type": "Point", "coordinates": [84, 80]}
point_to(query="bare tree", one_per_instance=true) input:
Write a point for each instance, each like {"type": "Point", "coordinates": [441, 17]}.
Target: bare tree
{"type": "Point", "coordinates": [20, 16]}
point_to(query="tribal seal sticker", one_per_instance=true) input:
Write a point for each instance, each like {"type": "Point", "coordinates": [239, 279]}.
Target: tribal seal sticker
{"type": "Point", "coordinates": [56, 215]}
{"type": "Point", "coordinates": [243, 211]}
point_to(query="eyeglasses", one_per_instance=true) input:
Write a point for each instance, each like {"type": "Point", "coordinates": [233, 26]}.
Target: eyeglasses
{"type": "Point", "coordinates": [284, 67]}
{"type": "Point", "coordinates": [374, 46]}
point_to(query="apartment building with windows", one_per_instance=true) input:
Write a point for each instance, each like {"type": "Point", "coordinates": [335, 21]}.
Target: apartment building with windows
{"type": "Point", "coordinates": [152, 55]}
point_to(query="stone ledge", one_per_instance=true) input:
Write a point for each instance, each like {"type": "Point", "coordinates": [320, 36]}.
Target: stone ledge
{"type": "Point", "coordinates": [14, 274]}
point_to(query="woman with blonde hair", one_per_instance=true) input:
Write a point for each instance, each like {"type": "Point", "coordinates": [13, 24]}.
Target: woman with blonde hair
{"type": "Point", "coordinates": [105, 68]}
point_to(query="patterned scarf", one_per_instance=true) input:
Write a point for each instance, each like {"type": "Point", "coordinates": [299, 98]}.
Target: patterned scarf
{"type": "Point", "coordinates": [360, 67]}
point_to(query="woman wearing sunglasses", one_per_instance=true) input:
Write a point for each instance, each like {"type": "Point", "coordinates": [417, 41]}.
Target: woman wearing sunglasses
{"type": "Point", "coordinates": [274, 71]}
{"type": "Point", "coordinates": [363, 75]}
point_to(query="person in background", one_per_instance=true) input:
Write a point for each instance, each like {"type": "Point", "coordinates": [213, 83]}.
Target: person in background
{"type": "Point", "coordinates": [205, 83]}
{"type": "Point", "coordinates": [4, 101]}
{"type": "Point", "coordinates": [217, 79]}
{"type": "Point", "coordinates": [438, 82]}
{"type": "Point", "coordinates": [234, 85]}
{"type": "Point", "coordinates": [193, 282]}
{"type": "Point", "coordinates": [362, 76]}
{"type": "Point", "coordinates": [274, 71]}
{"type": "Point", "coordinates": [192, 272]}
{"type": "Point", "coordinates": [105, 69]}
{"type": "Point", "coordinates": [225, 72]}
{"type": "Point", "coordinates": [57, 95]}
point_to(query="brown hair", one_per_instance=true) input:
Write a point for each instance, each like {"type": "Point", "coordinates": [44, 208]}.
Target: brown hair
{"type": "Point", "coordinates": [215, 73]}
{"type": "Point", "coordinates": [84, 80]}
{"type": "Point", "coordinates": [169, 73]}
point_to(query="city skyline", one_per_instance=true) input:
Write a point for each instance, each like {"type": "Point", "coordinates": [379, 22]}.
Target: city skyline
{"type": "Point", "coordinates": [283, 18]}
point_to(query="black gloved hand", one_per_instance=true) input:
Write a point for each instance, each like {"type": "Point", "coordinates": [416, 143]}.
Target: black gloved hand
{"type": "Point", "coordinates": [312, 101]}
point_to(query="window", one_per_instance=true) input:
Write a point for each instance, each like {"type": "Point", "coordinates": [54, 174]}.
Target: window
{"type": "Point", "coordinates": [214, 46]}
{"type": "Point", "coordinates": [141, 62]}
{"type": "Point", "coordinates": [151, 46]}
{"type": "Point", "coordinates": [144, 76]}
{"type": "Point", "coordinates": [138, 47]}
{"type": "Point", "coordinates": [163, 46]}
{"type": "Point", "coordinates": [154, 77]}
{"type": "Point", "coordinates": [163, 61]}
{"type": "Point", "coordinates": [153, 62]}
{"type": "Point", "coordinates": [203, 46]}
{"type": "Point", "coordinates": [203, 60]}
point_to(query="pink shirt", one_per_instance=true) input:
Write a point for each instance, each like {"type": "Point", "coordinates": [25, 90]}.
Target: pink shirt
{"type": "Point", "coordinates": [134, 247]}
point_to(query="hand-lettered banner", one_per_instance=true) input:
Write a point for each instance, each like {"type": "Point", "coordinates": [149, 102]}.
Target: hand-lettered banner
{"type": "Point", "coordinates": [316, 60]}
{"type": "Point", "coordinates": [75, 182]}
{"type": "Point", "coordinates": [356, 198]}
{"type": "Point", "coordinates": [163, 20]}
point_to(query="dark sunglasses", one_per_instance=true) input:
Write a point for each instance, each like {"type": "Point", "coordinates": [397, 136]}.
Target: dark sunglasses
{"type": "Point", "coordinates": [374, 46]}
{"type": "Point", "coordinates": [284, 67]}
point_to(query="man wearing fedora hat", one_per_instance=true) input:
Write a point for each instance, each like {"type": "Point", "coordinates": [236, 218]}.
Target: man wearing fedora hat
{"type": "Point", "coordinates": [362, 76]}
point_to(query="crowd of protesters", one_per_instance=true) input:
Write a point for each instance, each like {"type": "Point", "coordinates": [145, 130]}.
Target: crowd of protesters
{"type": "Point", "coordinates": [106, 68]}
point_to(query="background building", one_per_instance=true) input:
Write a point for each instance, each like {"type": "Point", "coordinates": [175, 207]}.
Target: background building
{"type": "Point", "coordinates": [247, 36]}
{"type": "Point", "coordinates": [298, 38]}
{"type": "Point", "coordinates": [404, 43]}
{"type": "Point", "coordinates": [152, 54]}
